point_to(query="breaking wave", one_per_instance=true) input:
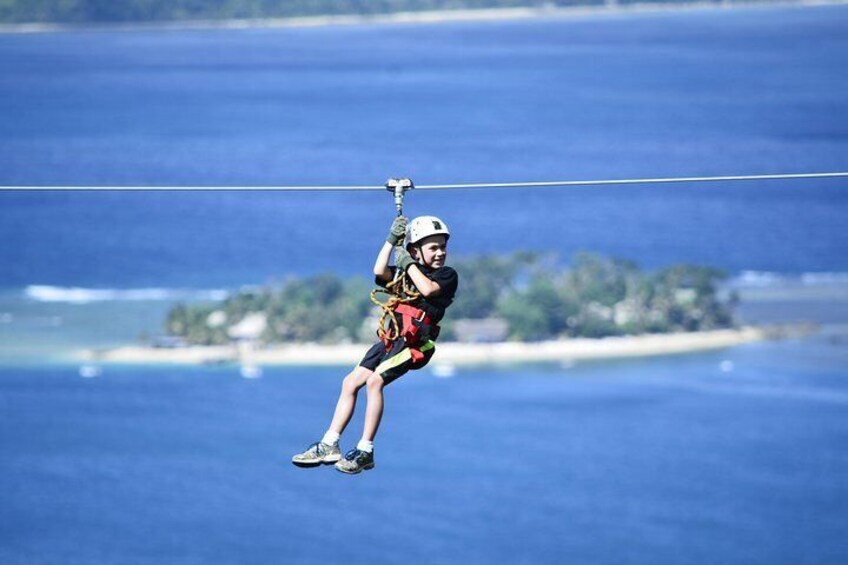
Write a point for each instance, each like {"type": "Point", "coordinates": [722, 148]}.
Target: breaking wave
{"type": "Point", "coordinates": [77, 295]}
{"type": "Point", "coordinates": [769, 279]}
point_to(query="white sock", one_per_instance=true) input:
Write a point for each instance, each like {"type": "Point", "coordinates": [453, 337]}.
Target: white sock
{"type": "Point", "coordinates": [365, 445]}
{"type": "Point", "coordinates": [330, 438]}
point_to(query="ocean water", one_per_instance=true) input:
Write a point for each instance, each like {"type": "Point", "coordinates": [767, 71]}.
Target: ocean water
{"type": "Point", "coordinates": [640, 95]}
{"type": "Point", "coordinates": [726, 457]}
{"type": "Point", "coordinates": [709, 92]}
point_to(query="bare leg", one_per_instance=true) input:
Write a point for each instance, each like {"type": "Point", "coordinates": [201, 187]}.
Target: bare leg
{"type": "Point", "coordinates": [355, 380]}
{"type": "Point", "coordinates": [374, 410]}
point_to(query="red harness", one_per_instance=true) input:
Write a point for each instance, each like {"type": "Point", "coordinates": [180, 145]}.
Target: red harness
{"type": "Point", "coordinates": [410, 331]}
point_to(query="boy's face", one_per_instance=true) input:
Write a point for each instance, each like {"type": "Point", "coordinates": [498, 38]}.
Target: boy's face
{"type": "Point", "coordinates": [434, 251]}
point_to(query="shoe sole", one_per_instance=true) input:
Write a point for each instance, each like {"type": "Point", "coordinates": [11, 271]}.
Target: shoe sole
{"type": "Point", "coordinates": [346, 472]}
{"type": "Point", "coordinates": [332, 460]}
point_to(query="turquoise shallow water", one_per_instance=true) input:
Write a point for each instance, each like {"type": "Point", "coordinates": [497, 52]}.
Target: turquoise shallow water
{"type": "Point", "coordinates": [35, 333]}
{"type": "Point", "coordinates": [732, 457]}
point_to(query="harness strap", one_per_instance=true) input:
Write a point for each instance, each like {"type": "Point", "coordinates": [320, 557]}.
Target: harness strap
{"type": "Point", "coordinates": [404, 356]}
{"type": "Point", "coordinates": [411, 332]}
{"type": "Point", "coordinates": [412, 313]}
{"type": "Point", "coordinates": [415, 355]}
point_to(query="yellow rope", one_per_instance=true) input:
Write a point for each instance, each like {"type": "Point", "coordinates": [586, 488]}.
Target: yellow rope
{"type": "Point", "coordinates": [400, 291]}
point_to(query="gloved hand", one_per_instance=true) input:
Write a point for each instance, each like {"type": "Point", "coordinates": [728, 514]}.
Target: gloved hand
{"type": "Point", "coordinates": [398, 231]}
{"type": "Point", "coordinates": [404, 260]}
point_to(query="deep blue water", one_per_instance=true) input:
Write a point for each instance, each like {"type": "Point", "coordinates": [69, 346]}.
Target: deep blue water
{"type": "Point", "coordinates": [695, 93]}
{"type": "Point", "coordinates": [670, 460]}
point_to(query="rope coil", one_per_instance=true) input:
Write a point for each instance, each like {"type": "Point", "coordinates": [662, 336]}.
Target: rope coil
{"type": "Point", "coordinates": [400, 291]}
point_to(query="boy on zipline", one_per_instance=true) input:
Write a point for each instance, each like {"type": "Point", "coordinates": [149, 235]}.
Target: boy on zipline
{"type": "Point", "coordinates": [423, 261]}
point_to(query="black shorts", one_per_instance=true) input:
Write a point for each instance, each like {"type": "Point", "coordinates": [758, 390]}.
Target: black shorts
{"type": "Point", "coordinates": [395, 362]}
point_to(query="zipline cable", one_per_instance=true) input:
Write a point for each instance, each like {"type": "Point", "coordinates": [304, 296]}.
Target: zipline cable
{"type": "Point", "coordinates": [633, 181]}
{"type": "Point", "coordinates": [331, 188]}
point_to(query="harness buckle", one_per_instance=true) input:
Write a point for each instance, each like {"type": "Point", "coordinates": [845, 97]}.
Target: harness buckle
{"type": "Point", "coordinates": [413, 313]}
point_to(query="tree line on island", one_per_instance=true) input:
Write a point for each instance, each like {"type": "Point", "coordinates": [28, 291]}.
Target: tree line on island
{"type": "Point", "coordinates": [111, 11]}
{"type": "Point", "coordinates": [529, 296]}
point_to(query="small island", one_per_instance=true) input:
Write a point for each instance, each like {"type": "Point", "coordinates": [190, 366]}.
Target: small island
{"type": "Point", "coordinates": [521, 297]}
{"type": "Point", "coordinates": [525, 307]}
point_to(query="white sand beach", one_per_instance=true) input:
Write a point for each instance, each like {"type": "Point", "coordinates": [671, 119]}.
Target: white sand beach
{"type": "Point", "coordinates": [459, 354]}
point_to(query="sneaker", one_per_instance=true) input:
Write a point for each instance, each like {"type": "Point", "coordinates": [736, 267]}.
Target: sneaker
{"type": "Point", "coordinates": [355, 461]}
{"type": "Point", "coordinates": [316, 454]}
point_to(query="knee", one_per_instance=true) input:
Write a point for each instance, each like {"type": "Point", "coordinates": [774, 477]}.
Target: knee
{"type": "Point", "coordinates": [374, 382]}
{"type": "Point", "coordinates": [351, 384]}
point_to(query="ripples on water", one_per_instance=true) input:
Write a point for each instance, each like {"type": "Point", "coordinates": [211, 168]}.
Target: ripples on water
{"type": "Point", "coordinates": [706, 458]}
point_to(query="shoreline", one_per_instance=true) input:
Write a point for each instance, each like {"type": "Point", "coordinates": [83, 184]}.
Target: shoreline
{"type": "Point", "coordinates": [480, 15]}
{"type": "Point", "coordinates": [451, 353]}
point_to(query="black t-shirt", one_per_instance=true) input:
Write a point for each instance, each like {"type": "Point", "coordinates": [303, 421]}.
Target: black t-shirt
{"type": "Point", "coordinates": [435, 306]}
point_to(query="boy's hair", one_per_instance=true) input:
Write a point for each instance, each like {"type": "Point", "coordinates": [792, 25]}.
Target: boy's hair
{"type": "Point", "coordinates": [417, 245]}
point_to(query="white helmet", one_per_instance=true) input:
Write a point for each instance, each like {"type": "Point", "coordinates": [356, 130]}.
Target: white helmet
{"type": "Point", "coordinates": [425, 226]}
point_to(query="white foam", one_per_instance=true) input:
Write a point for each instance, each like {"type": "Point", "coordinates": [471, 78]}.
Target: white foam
{"type": "Point", "coordinates": [90, 371]}
{"type": "Point", "coordinates": [444, 370]}
{"type": "Point", "coordinates": [765, 279]}
{"type": "Point", "coordinates": [250, 371]}
{"type": "Point", "coordinates": [813, 279]}
{"type": "Point", "coordinates": [758, 278]}
{"type": "Point", "coordinates": [77, 295]}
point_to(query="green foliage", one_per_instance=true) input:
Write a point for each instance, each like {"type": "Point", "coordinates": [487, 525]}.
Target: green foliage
{"type": "Point", "coordinates": [601, 296]}
{"type": "Point", "coordinates": [320, 308]}
{"type": "Point", "coordinates": [538, 311]}
{"type": "Point", "coordinates": [485, 280]}
{"type": "Point", "coordinates": [598, 279]}
{"type": "Point", "coordinates": [596, 297]}
{"type": "Point", "coordinates": [190, 322]}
